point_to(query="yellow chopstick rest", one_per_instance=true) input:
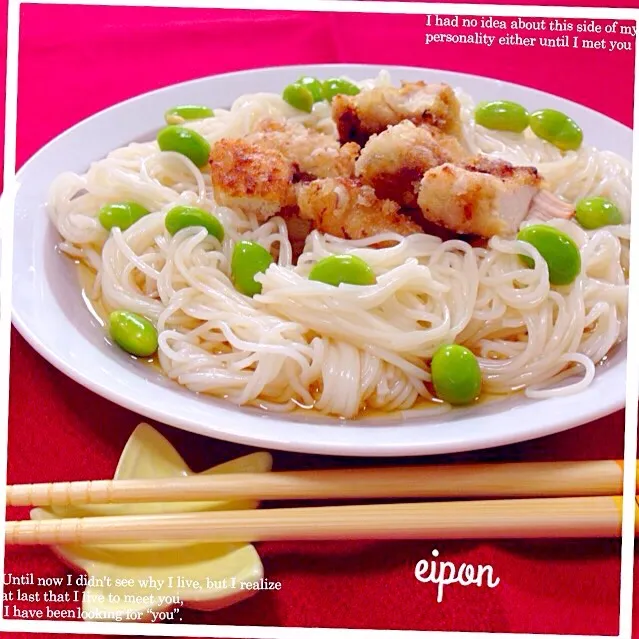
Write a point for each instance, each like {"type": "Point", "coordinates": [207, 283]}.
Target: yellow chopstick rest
{"type": "Point", "coordinates": [153, 581]}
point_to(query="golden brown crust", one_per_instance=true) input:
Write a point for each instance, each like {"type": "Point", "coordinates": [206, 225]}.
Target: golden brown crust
{"type": "Point", "coordinates": [449, 143]}
{"type": "Point", "coordinates": [251, 178]}
{"type": "Point", "coordinates": [481, 197]}
{"type": "Point", "coordinates": [313, 153]}
{"type": "Point", "coordinates": [345, 208]}
{"type": "Point", "coordinates": [446, 112]}
{"type": "Point", "coordinates": [411, 174]}
{"type": "Point", "coordinates": [373, 110]}
{"type": "Point", "coordinates": [523, 175]}
{"type": "Point", "coordinates": [393, 162]}
{"type": "Point", "coordinates": [350, 127]}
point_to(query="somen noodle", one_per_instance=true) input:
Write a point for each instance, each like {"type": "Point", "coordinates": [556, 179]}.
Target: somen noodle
{"type": "Point", "coordinates": [344, 350]}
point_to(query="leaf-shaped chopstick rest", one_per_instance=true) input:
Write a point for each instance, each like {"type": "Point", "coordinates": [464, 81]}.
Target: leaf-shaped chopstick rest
{"type": "Point", "coordinates": [137, 582]}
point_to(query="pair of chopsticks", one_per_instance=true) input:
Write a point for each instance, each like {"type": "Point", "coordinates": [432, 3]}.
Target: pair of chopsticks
{"type": "Point", "coordinates": [519, 500]}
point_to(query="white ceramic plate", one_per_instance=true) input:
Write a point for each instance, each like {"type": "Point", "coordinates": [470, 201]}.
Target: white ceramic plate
{"type": "Point", "coordinates": [50, 313]}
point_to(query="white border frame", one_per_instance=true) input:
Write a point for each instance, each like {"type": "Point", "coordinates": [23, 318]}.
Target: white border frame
{"type": "Point", "coordinates": [335, 6]}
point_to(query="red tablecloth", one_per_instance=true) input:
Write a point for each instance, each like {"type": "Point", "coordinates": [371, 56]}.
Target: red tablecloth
{"type": "Point", "coordinates": [75, 61]}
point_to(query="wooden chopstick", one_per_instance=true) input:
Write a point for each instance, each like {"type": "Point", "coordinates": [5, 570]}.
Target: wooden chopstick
{"type": "Point", "coordinates": [528, 479]}
{"type": "Point", "coordinates": [494, 519]}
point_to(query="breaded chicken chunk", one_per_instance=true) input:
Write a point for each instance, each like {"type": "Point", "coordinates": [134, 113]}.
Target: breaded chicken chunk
{"type": "Point", "coordinates": [394, 162]}
{"type": "Point", "coordinates": [256, 173]}
{"type": "Point", "coordinates": [373, 110]}
{"type": "Point", "coordinates": [252, 178]}
{"type": "Point", "coordinates": [345, 208]}
{"type": "Point", "coordinates": [480, 197]}
{"type": "Point", "coordinates": [314, 154]}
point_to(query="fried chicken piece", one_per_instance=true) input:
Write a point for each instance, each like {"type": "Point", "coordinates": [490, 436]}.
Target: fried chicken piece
{"type": "Point", "coordinates": [480, 197]}
{"type": "Point", "coordinates": [251, 178]}
{"type": "Point", "coordinates": [256, 173]}
{"type": "Point", "coordinates": [314, 154]}
{"type": "Point", "coordinates": [373, 110]}
{"type": "Point", "coordinates": [345, 208]}
{"type": "Point", "coordinates": [394, 162]}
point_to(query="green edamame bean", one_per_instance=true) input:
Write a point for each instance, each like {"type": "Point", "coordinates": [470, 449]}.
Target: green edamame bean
{"type": "Point", "coordinates": [314, 86]}
{"type": "Point", "coordinates": [179, 217]}
{"type": "Point", "coordinates": [456, 375]}
{"type": "Point", "coordinates": [502, 115]}
{"type": "Point", "coordinates": [121, 214]}
{"type": "Point", "coordinates": [558, 249]}
{"type": "Point", "coordinates": [133, 333]}
{"type": "Point", "coordinates": [185, 141]}
{"type": "Point", "coordinates": [557, 128]}
{"type": "Point", "coordinates": [249, 259]}
{"type": "Point", "coordinates": [299, 97]}
{"type": "Point", "coordinates": [342, 269]}
{"type": "Point", "coordinates": [337, 86]}
{"type": "Point", "coordinates": [595, 212]}
{"type": "Point", "coordinates": [180, 114]}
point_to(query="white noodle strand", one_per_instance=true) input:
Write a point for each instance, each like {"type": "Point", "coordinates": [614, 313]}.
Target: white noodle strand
{"type": "Point", "coordinates": [346, 349]}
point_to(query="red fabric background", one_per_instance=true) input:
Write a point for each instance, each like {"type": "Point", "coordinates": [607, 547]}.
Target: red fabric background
{"type": "Point", "coordinates": [75, 61]}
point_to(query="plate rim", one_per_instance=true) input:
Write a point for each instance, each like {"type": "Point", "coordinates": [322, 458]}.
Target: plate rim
{"type": "Point", "coordinates": [350, 449]}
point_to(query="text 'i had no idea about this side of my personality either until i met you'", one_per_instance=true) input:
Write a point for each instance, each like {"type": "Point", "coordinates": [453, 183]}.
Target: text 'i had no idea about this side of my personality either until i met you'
{"type": "Point", "coordinates": [602, 35]}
